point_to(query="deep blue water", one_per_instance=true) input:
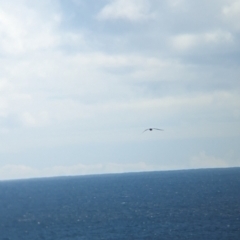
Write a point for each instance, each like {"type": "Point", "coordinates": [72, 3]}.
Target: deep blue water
{"type": "Point", "coordinates": [190, 204]}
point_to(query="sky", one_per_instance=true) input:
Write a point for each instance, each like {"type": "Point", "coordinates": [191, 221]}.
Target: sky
{"type": "Point", "coordinates": [80, 80]}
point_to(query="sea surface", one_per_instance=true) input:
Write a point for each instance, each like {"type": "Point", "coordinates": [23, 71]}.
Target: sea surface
{"type": "Point", "coordinates": [187, 204]}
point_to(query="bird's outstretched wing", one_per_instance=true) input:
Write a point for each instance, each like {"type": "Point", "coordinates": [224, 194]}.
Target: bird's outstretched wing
{"type": "Point", "coordinates": [150, 129]}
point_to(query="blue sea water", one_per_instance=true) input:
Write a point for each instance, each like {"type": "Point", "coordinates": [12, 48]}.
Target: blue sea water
{"type": "Point", "coordinates": [187, 204]}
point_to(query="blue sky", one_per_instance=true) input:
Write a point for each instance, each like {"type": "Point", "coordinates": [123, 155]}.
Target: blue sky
{"type": "Point", "coordinates": [80, 80]}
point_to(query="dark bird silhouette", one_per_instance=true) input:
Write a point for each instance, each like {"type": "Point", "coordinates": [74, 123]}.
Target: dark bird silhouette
{"type": "Point", "coordinates": [150, 129]}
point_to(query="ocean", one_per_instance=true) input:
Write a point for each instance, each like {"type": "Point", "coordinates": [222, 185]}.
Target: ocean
{"type": "Point", "coordinates": [186, 204]}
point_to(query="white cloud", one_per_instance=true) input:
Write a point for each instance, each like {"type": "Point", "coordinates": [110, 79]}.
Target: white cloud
{"type": "Point", "coordinates": [29, 120]}
{"type": "Point", "coordinates": [231, 13]}
{"type": "Point", "coordinates": [184, 41]}
{"type": "Point", "coordinates": [23, 171]}
{"type": "Point", "coordinates": [176, 3]}
{"type": "Point", "coordinates": [17, 172]}
{"type": "Point", "coordinates": [24, 29]}
{"type": "Point", "coordinates": [50, 82]}
{"type": "Point", "coordinates": [132, 10]}
{"type": "Point", "coordinates": [217, 37]}
{"type": "Point", "coordinates": [188, 42]}
{"type": "Point", "coordinates": [205, 161]}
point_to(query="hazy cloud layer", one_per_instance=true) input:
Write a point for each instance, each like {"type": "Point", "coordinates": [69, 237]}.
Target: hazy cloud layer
{"type": "Point", "coordinates": [81, 72]}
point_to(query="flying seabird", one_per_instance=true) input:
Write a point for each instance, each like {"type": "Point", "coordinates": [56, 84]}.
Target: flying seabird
{"type": "Point", "coordinates": [150, 129]}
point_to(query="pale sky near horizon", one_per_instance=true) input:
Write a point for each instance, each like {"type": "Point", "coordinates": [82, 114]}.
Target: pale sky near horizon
{"type": "Point", "coordinates": [80, 81]}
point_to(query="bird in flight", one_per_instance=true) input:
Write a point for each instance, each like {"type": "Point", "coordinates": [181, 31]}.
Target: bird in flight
{"type": "Point", "coordinates": [150, 129]}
